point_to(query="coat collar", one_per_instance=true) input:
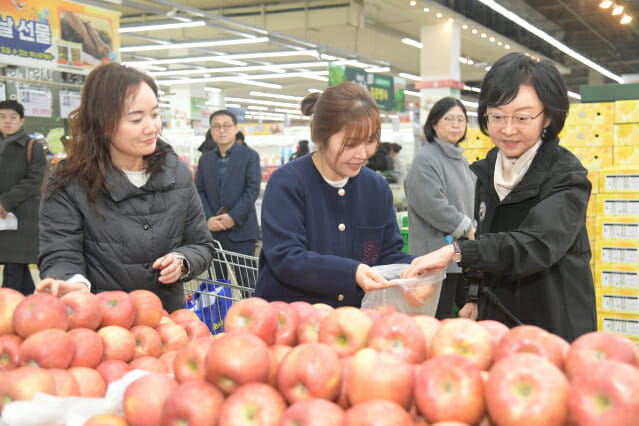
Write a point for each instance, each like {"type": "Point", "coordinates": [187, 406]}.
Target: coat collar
{"type": "Point", "coordinates": [450, 150]}
{"type": "Point", "coordinates": [21, 137]}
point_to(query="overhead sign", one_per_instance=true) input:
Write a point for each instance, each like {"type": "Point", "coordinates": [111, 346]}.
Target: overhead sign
{"type": "Point", "coordinates": [388, 91]}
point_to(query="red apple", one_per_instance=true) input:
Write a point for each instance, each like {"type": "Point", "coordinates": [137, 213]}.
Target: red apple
{"type": "Point", "coordinates": [168, 358]}
{"type": "Point", "coordinates": [148, 308]}
{"type": "Point", "coordinates": [144, 398]}
{"type": "Point", "coordinates": [377, 412]}
{"type": "Point", "coordinates": [496, 329]}
{"type": "Point", "coordinates": [322, 307]}
{"type": "Point", "coordinates": [84, 309]}
{"type": "Point", "coordinates": [118, 343]}
{"type": "Point", "coordinates": [301, 307]}
{"type": "Point", "coordinates": [464, 337]}
{"type": "Point", "coordinates": [254, 315]}
{"type": "Point", "coordinates": [526, 389]}
{"type": "Point", "coordinates": [37, 312]}
{"type": "Point", "coordinates": [92, 384]}
{"type": "Point", "coordinates": [596, 346]}
{"type": "Point", "coordinates": [9, 299]}
{"type": "Point", "coordinates": [65, 383]}
{"type": "Point", "coordinates": [313, 412]}
{"type": "Point", "coordinates": [342, 399]}
{"type": "Point", "coordinates": [50, 348]}
{"type": "Point", "coordinates": [607, 393]}
{"type": "Point", "coordinates": [227, 363]}
{"type": "Point", "coordinates": [310, 370]}
{"type": "Point", "coordinates": [117, 308]}
{"type": "Point", "coordinates": [430, 327]}
{"type": "Point", "coordinates": [278, 352]}
{"type": "Point", "coordinates": [112, 370]}
{"type": "Point", "coordinates": [450, 387]}
{"type": "Point", "coordinates": [308, 326]}
{"type": "Point", "coordinates": [189, 361]}
{"type": "Point", "coordinates": [147, 341]}
{"type": "Point", "coordinates": [181, 315]}
{"type": "Point", "coordinates": [173, 336]}
{"type": "Point", "coordinates": [148, 363]}
{"type": "Point", "coordinates": [22, 383]}
{"type": "Point", "coordinates": [287, 323]}
{"type": "Point", "coordinates": [345, 329]}
{"type": "Point", "coordinates": [106, 420]}
{"type": "Point", "coordinates": [398, 334]}
{"type": "Point", "coordinates": [530, 339]}
{"type": "Point", "coordinates": [89, 348]}
{"type": "Point", "coordinates": [10, 351]}
{"type": "Point", "coordinates": [379, 375]}
{"type": "Point", "coordinates": [193, 403]}
{"type": "Point", "coordinates": [252, 404]}
{"type": "Point", "coordinates": [195, 329]}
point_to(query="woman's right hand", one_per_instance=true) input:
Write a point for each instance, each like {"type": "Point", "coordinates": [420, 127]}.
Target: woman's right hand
{"type": "Point", "coordinates": [368, 279]}
{"type": "Point", "coordinates": [469, 310]}
{"type": "Point", "coordinates": [58, 287]}
{"type": "Point", "coordinates": [433, 261]}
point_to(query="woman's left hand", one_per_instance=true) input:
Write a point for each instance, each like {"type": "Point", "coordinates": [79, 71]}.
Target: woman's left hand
{"type": "Point", "coordinates": [369, 279]}
{"type": "Point", "coordinates": [433, 261]}
{"type": "Point", "coordinates": [170, 268]}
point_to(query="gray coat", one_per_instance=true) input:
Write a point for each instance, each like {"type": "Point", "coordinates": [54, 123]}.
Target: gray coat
{"type": "Point", "coordinates": [20, 184]}
{"type": "Point", "coordinates": [439, 192]}
{"type": "Point", "coordinates": [115, 247]}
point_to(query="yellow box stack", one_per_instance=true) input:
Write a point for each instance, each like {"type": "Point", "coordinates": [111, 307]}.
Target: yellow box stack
{"type": "Point", "coordinates": [477, 145]}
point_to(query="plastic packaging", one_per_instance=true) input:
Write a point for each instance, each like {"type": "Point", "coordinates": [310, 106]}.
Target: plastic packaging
{"type": "Point", "coordinates": [413, 296]}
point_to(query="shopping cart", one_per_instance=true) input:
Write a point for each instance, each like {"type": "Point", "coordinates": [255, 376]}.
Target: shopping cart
{"type": "Point", "coordinates": [230, 277]}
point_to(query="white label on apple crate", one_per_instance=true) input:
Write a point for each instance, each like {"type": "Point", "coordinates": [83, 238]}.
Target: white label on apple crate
{"type": "Point", "coordinates": [627, 327]}
{"type": "Point", "coordinates": [619, 303]}
{"type": "Point", "coordinates": [620, 255]}
{"type": "Point", "coordinates": [621, 207]}
{"type": "Point", "coordinates": [622, 182]}
{"type": "Point", "coordinates": [622, 231]}
{"type": "Point", "coordinates": [622, 279]}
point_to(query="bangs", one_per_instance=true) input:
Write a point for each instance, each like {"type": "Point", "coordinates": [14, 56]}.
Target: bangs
{"type": "Point", "coordinates": [363, 128]}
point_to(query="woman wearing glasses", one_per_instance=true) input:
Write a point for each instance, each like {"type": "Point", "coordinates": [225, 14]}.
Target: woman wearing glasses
{"type": "Point", "coordinates": [530, 205]}
{"type": "Point", "coordinates": [439, 193]}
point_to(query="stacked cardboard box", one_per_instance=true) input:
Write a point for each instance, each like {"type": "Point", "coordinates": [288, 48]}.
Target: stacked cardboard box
{"type": "Point", "coordinates": [477, 145]}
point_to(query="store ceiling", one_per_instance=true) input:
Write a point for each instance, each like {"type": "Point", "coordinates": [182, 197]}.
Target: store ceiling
{"type": "Point", "coordinates": [303, 35]}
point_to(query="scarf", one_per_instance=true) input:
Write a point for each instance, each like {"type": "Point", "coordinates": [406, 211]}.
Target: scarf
{"type": "Point", "coordinates": [510, 171]}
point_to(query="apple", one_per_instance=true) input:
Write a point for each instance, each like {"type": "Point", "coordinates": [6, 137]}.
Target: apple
{"type": "Point", "coordinates": [10, 351]}
{"type": "Point", "coordinates": [39, 311]}
{"type": "Point", "coordinates": [65, 383]}
{"type": "Point", "coordinates": [496, 329]}
{"type": "Point", "coordinates": [252, 404]}
{"type": "Point", "coordinates": [278, 352]}
{"type": "Point", "coordinates": [118, 343]}
{"type": "Point", "coordinates": [22, 383]}
{"type": "Point", "coordinates": [84, 309]}
{"type": "Point", "coordinates": [287, 323]}
{"type": "Point", "coordinates": [91, 382]}
{"type": "Point", "coordinates": [181, 315]}
{"type": "Point", "coordinates": [596, 346]}
{"type": "Point", "coordinates": [144, 398]}
{"type": "Point", "coordinates": [148, 308]}
{"type": "Point", "coordinates": [398, 334]}
{"type": "Point", "coordinates": [322, 307]}
{"type": "Point", "coordinates": [50, 348]}
{"type": "Point", "coordinates": [117, 308]}
{"type": "Point", "coordinates": [465, 337]}
{"type": "Point", "coordinates": [308, 326]}
{"type": "Point", "coordinates": [89, 348]}
{"type": "Point", "coordinates": [373, 314]}
{"type": "Point", "coordinates": [526, 389]}
{"type": "Point", "coordinates": [342, 399]}
{"type": "Point", "coordinates": [9, 299]}
{"type": "Point", "coordinates": [168, 358]}
{"type": "Point", "coordinates": [106, 420]}
{"type": "Point", "coordinates": [345, 329]}
{"type": "Point", "coordinates": [193, 403]}
{"type": "Point", "coordinates": [173, 336]}
{"type": "Point", "coordinates": [313, 412]}
{"type": "Point", "coordinates": [379, 375]}
{"type": "Point", "coordinates": [254, 315]}
{"type": "Point", "coordinates": [147, 341]}
{"type": "Point", "coordinates": [377, 412]}
{"type": "Point", "coordinates": [112, 369]}
{"type": "Point", "coordinates": [195, 329]}
{"type": "Point", "coordinates": [301, 307]}
{"type": "Point", "coordinates": [530, 339]}
{"type": "Point", "coordinates": [189, 361]}
{"type": "Point", "coordinates": [310, 370]}
{"type": "Point", "coordinates": [607, 393]}
{"type": "Point", "coordinates": [227, 365]}
{"type": "Point", "coordinates": [450, 388]}
{"type": "Point", "coordinates": [148, 363]}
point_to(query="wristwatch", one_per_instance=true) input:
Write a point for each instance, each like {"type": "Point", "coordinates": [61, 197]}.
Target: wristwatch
{"type": "Point", "coordinates": [457, 255]}
{"type": "Point", "coordinates": [185, 268]}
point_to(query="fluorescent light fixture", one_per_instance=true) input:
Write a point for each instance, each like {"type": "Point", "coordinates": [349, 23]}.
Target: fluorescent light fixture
{"type": "Point", "coordinates": [411, 42]}
{"type": "Point", "coordinates": [618, 10]}
{"type": "Point", "coordinates": [464, 27]}
{"type": "Point", "coordinates": [466, 61]}
{"type": "Point", "coordinates": [276, 96]}
{"type": "Point", "coordinates": [474, 31]}
{"type": "Point", "coordinates": [574, 95]}
{"type": "Point", "coordinates": [411, 93]}
{"type": "Point", "coordinates": [233, 105]}
{"type": "Point", "coordinates": [191, 44]}
{"type": "Point", "coordinates": [605, 4]}
{"type": "Point", "coordinates": [147, 67]}
{"type": "Point", "coordinates": [226, 58]}
{"type": "Point", "coordinates": [255, 83]}
{"type": "Point", "coordinates": [426, 9]}
{"type": "Point", "coordinates": [451, 20]}
{"type": "Point", "coordinates": [257, 107]}
{"type": "Point", "coordinates": [154, 27]}
{"type": "Point", "coordinates": [472, 89]}
{"type": "Point", "coordinates": [261, 102]}
{"type": "Point", "coordinates": [413, 3]}
{"type": "Point", "coordinates": [212, 89]}
{"type": "Point", "coordinates": [410, 76]}
{"type": "Point", "coordinates": [288, 111]}
{"type": "Point", "coordinates": [549, 39]}
{"type": "Point", "coordinates": [492, 39]}
{"type": "Point", "coordinates": [377, 69]}
{"type": "Point", "coordinates": [472, 113]}
{"type": "Point", "coordinates": [354, 63]}
{"type": "Point", "coordinates": [469, 103]}
{"type": "Point", "coordinates": [253, 77]}
{"type": "Point", "coordinates": [626, 19]}
{"type": "Point", "coordinates": [315, 90]}
{"type": "Point", "coordinates": [274, 68]}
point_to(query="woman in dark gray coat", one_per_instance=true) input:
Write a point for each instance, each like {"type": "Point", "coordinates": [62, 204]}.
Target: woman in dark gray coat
{"type": "Point", "coordinates": [121, 212]}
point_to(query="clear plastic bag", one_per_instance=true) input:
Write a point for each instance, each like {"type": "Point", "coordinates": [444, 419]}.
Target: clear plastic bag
{"type": "Point", "coordinates": [413, 296]}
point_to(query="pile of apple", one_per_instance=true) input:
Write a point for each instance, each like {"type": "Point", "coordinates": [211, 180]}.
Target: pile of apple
{"type": "Point", "coordinates": [300, 364]}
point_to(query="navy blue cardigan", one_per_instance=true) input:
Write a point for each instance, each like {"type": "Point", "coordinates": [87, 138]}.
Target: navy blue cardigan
{"type": "Point", "coordinates": [314, 238]}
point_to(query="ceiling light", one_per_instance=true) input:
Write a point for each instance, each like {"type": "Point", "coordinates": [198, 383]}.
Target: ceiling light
{"type": "Point", "coordinates": [626, 19]}
{"type": "Point", "coordinates": [466, 61]}
{"type": "Point", "coordinates": [154, 27]}
{"type": "Point", "coordinates": [410, 76]}
{"type": "Point", "coordinates": [574, 95]}
{"type": "Point", "coordinates": [377, 69]}
{"type": "Point", "coordinates": [605, 4]}
{"type": "Point", "coordinates": [212, 89]}
{"type": "Point", "coordinates": [483, 35]}
{"type": "Point", "coordinates": [411, 42]}
{"type": "Point", "coordinates": [492, 39]}
{"type": "Point", "coordinates": [262, 102]}
{"type": "Point", "coordinates": [618, 10]}
{"type": "Point", "coordinates": [472, 113]}
{"type": "Point", "coordinates": [474, 31]}
{"type": "Point", "coordinates": [315, 90]}
{"type": "Point", "coordinates": [187, 45]}
{"type": "Point", "coordinates": [255, 83]}
{"type": "Point", "coordinates": [499, 43]}
{"type": "Point", "coordinates": [464, 27]}
{"type": "Point", "coordinates": [288, 111]}
{"type": "Point", "coordinates": [451, 20]}
{"type": "Point", "coordinates": [426, 10]}
{"type": "Point", "coordinates": [439, 15]}
{"type": "Point", "coordinates": [413, 3]}
{"type": "Point", "coordinates": [257, 107]}
{"type": "Point", "coordinates": [276, 96]}
{"type": "Point", "coordinates": [234, 105]}
{"type": "Point", "coordinates": [472, 89]}
{"type": "Point", "coordinates": [468, 103]}
{"type": "Point", "coordinates": [507, 46]}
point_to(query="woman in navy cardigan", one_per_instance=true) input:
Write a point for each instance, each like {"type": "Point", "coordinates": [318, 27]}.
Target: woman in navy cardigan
{"type": "Point", "coordinates": [326, 219]}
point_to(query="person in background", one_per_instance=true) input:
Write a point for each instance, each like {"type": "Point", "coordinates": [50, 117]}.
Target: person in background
{"type": "Point", "coordinates": [326, 219]}
{"type": "Point", "coordinates": [22, 167]}
{"type": "Point", "coordinates": [381, 160]}
{"type": "Point", "coordinates": [531, 243]}
{"type": "Point", "coordinates": [302, 149]}
{"type": "Point", "coordinates": [208, 144]}
{"type": "Point", "coordinates": [239, 137]}
{"type": "Point", "coordinates": [399, 163]}
{"type": "Point", "coordinates": [121, 212]}
{"type": "Point", "coordinates": [228, 181]}
{"type": "Point", "coordinates": [439, 192]}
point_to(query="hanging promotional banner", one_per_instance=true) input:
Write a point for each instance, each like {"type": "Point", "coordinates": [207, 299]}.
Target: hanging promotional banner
{"type": "Point", "coordinates": [36, 102]}
{"type": "Point", "coordinates": [388, 91]}
{"type": "Point", "coordinates": [69, 100]}
{"type": "Point", "coordinates": [57, 33]}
